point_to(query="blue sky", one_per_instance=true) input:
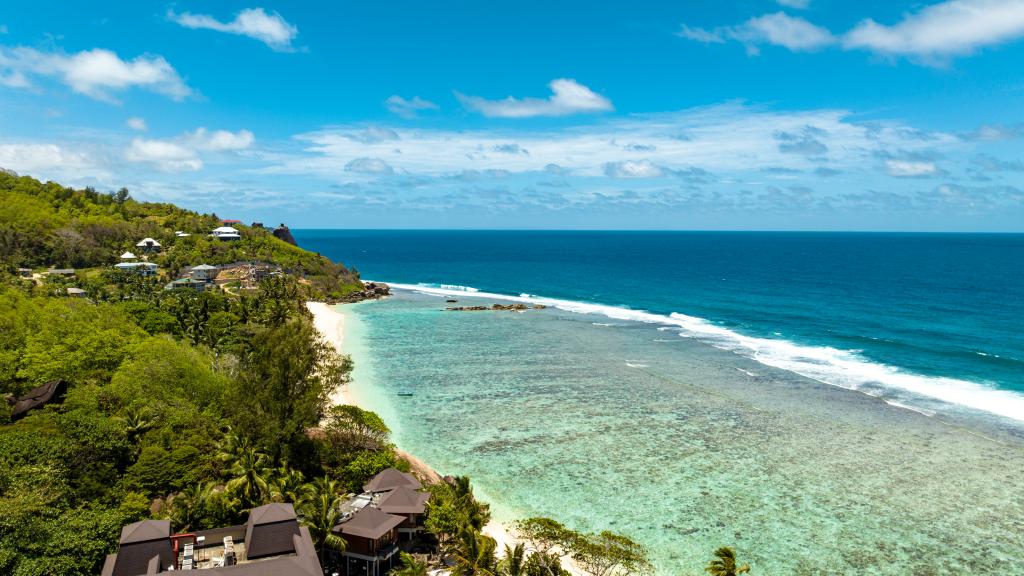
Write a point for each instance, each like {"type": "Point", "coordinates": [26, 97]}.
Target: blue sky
{"type": "Point", "coordinates": [771, 114]}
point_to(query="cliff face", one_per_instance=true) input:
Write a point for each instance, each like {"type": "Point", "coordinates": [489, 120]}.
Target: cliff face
{"type": "Point", "coordinates": [283, 233]}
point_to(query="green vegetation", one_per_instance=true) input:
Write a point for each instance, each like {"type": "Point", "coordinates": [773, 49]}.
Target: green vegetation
{"type": "Point", "coordinates": [49, 225]}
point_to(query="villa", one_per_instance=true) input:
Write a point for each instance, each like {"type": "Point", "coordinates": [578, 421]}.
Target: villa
{"type": "Point", "coordinates": [271, 542]}
{"type": "Point", "coordinates": [143, 269]}
{"type": "Point", "coordinates": [148, 245]}
{"type": "Point", "coordinates": [225, 233]}
{"type": "Point", "coordinates": [204, 273]}
{"type": "Point", "coordinates": [128, 256]}
{"type": "Point", "coordinates": [373, 522]}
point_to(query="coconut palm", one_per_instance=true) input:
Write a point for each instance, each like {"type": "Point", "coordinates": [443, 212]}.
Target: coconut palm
{"type": "Point", "coordinates": [321, 512]}
{"type": "Point", "coordinates": [514, 561]}
{"type": "Point", "coordinates": [724, 563]}
{"type": "Point", "coordinates": [288, 485]}
{"type": "Point", "coordinates": [473, 553]}
{"type": "Point", "coordinates": [410, 566]}
{"type": "Point", "coordinates": [249, 473]}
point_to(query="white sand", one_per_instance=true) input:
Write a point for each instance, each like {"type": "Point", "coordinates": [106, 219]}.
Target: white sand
{"type": "Point", "coordinates": [330, 323]}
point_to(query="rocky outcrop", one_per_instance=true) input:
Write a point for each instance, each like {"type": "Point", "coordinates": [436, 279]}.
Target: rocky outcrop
{"type": "Point", "coordinates": [283, 233]}
{"type": "Point", "coordinates": [512, 307]}
{"type": "Point", "coordinates": [372, 291]}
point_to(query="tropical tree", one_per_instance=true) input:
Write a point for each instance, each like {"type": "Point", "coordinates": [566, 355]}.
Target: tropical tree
{"type": "Point", "coordinates": [249, 474]}
{"type": "Point", "coordinates": [547, 540]}
{"type": "Point", "coordinates": [411, 566]}
{"type": "Point", "coordinates": [321, 512]}
{"type": "Point", "coordinates": [610, 554]}
{"type": "Point", "coordinates": [513, 563]}
{"type": "Point", "coordinates": [725, 563]}
{"type": "Point", "coordinates": [473, 554]}
{"type": "Point", "coordinates": [288, 485]}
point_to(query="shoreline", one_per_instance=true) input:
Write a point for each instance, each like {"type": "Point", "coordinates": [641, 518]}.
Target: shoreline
{"type": "Point", "coordinates": [330, 323]}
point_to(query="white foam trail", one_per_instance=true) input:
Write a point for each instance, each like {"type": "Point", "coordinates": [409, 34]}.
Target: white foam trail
{"type": "Point", "coordinates": [905, 407]}
{"type": "Point", "coordinates": [636, 365]}
{"type": "Point", "coordinates": [843, 368]}
{"type": "Point", "coordinates": [747, 372]}
{"type": "Point", "coordinates": [457, 288]}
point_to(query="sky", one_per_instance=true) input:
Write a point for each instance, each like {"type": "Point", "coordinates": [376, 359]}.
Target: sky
{"type": "Point", "coordinates": [752, 115]}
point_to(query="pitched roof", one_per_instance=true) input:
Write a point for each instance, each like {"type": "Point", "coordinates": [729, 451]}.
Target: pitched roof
{"type": "Point", "coordinates": [145, 530]}
{"type": "Point", "coordinates": [270, 531]}
{"type": "Point", "coordinates": [390, 479]}
{"type": "Point", "coordinates": [145, 242]}
{"type": "Point", "coordinates": [404, 500]}
{"type": "Point", "coordinates": [127, 256]}
{"type": "Point", "coordinates": [204, 267]}
{"type": "Point", "coordinates": [225, 230]}
{"type": "Point", "coordinates": [369, 523]}
{"type": "Point", "coordinates": [37, 397]}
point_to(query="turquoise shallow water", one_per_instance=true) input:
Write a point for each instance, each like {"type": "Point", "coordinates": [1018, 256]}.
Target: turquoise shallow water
{"type": "Point", "coordinates": [617, 424]}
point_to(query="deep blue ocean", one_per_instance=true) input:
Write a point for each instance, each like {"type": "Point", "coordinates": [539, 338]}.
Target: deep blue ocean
{"type": "Point", "coordinates": [928, 319]}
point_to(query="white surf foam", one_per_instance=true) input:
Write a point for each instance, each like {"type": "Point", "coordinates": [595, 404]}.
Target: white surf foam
{"type": "Point", "coordinates": [843, 368]}
{"type": "Point", "coordinates": [633, 365]}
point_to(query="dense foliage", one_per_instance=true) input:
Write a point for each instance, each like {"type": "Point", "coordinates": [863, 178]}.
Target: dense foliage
{"type": "Point", "coordinates": [49, 225]}
{"type": "Point", "coordinates": [193, 407]}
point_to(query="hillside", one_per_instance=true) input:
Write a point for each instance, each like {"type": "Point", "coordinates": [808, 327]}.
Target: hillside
{"type": "Point", "coordinates": [52, 226]}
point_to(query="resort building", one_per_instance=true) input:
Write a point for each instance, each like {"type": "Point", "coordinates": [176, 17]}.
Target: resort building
{"type": "Point", "coordinates": [141, 268]}
{"type": "Point", "coordinates": [372, 538]}
{"type": "Point", "coordinates": [66, 272]}
{"type": "Point", "coordinates": [148, 245]}
{"type": "Point", "coordinates": [373, 523]}
{"type": "Point", "coordinates": [225, 233]}
{"type": "Point", "coordinates": [75, 292]}
{"type": "Point", "coordinates": [128, 257]}
{"type": "Point", "coordinates": [180, 234]}
{"type": "Point", "coordinates": [25, 272]}
{"type": "Point", "coordinates": [270, 543]}
{"type": "Point", "coordinates": [188, 283]}
{"type": "Point", "coordinates": [204, 273]}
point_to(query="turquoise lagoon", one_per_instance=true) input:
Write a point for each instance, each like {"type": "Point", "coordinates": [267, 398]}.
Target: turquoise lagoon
{"type": "Point", "coordinates": [624, 425]}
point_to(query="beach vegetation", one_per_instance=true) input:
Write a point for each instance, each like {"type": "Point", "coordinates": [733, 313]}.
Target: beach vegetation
{"type": "Point", "coordinates": [411, 566]}
{"type": "Point", "coordinates": [726, 564]}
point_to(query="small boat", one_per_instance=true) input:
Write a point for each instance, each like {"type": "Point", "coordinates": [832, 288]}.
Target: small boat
{"type": "Point", "coordinates": [452, 301]}
{"type": "Point", "coordinates": [405, 393]}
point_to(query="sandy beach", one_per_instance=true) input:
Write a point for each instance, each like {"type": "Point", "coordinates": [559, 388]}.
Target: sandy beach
{"type": "Point", "coordinates": [330, 323]}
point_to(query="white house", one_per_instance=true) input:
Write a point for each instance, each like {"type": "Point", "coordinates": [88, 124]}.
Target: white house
{"type": "Point", "coordinates": [225, 233]}
{"type": "Point", "coordinates": [204, 272]}
{"type": "Point", "coordinates": [140, 268]}
{"type": "Point", "coordinates": [149, 245]}
{"type": "Point", "coordinates": [128, 256]}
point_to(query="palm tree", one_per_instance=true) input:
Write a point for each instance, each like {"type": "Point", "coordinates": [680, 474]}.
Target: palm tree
{"type": "Point", "coordinates": [725, 563]}
{"type": "Point", "coordinates": [410, 566]}
{"type": "Point", "coordinates": [473, 554]}
{"type": "Point", "coordinates": [288, 485]}
{"type": "Point", "coordinates": [321, 512]}
{"type": "Point", "coordinates": [514, 562]}
{"type": "Point", "coordinates": [249, 473]}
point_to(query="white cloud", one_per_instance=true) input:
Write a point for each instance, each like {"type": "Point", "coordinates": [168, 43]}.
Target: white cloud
{"type": "Point", "coordinates": [136, 123]}
{"type": "Point", "coordinates": [408, 108]}
{"type": "Point", "coordinates": [782, 30]}
{"type": "Point", "coordinates": [778, 29]}
{"type": "Point", "coordinates": [797, 4]}
{"type": "Point", "coordinates": [633, 169]}
{"type": "Point", "coordinates": [720, 139]}
{"type": "Point", "coordinates": [951, 28]}
{"type": "Point", "coordinates": [700, 34]}
{"type": "Point", "coordinates": [96, 73]}
{"type": "Point", "coordinates": [369, 166]}
{"type": "Point", "coordinates": [182, 154]}
{"type": "Point", "coordinates": [32, 158]}
{"type": "Point", "coordinates": [567, 97]}
{"type": "Point", "coordinates": [164, 154]}
{"type": "Point", "coordinates": [910, 168]}
{"type": "Point", "coordinates": [269, 28]}
{"type": "Point", "coordinates": [220, 140]}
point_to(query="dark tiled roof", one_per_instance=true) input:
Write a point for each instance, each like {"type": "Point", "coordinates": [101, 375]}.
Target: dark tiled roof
{"type": "Point", "coordinates": [369, 523]}
{"type": "Point", "coordinates": [269, 531]}
{"type": "Point", "coordinates": [404, 500]}
{"type": "Point", "coordinates": [141, 543]}
{"type": "Point", "coordinates": [37, 397]}
{"type": "Point", "coordinates": [390, 479]}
